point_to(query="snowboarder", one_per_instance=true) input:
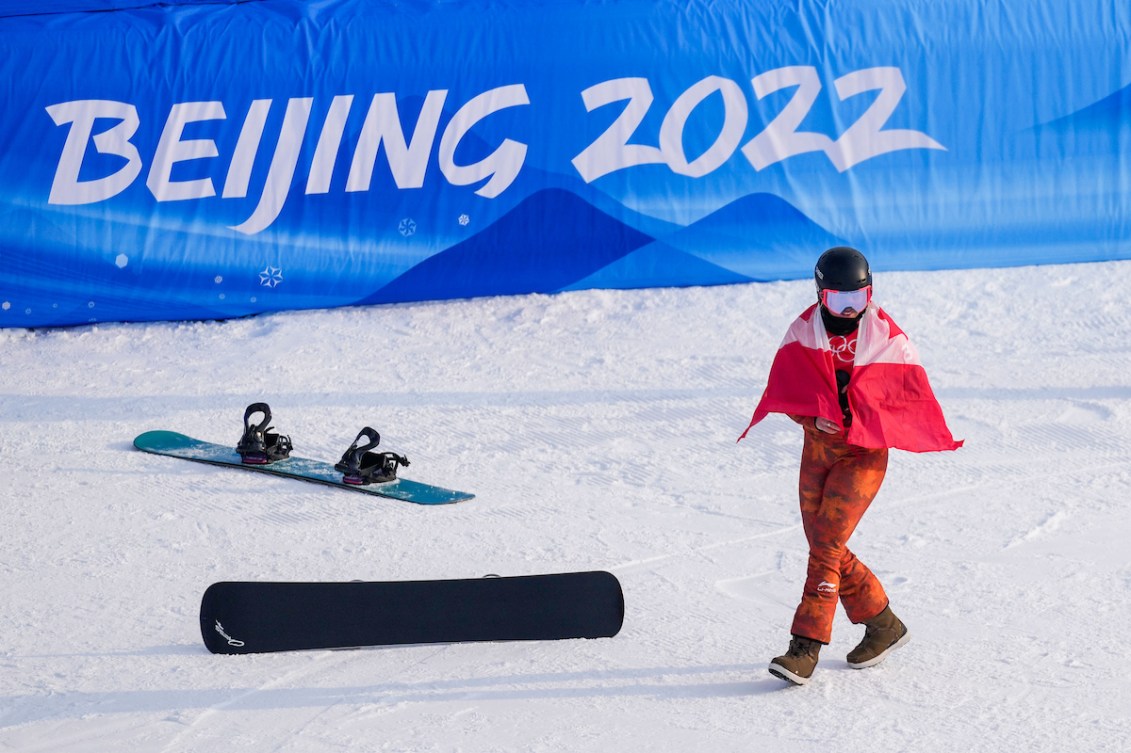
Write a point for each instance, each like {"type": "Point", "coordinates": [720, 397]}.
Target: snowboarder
{"type": "Point", "coordinates": [850, 377]}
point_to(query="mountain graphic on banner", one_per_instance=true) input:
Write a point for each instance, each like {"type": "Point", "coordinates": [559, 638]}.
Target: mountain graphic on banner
{"type": "Point", "coordinates": [1110, 115]}
{"type": "Point", "coordinates": [755, 238]}
{"type": "Point", "coordinates": [548, 241]}
{"type": "Point", "coordinates": [554, 240]}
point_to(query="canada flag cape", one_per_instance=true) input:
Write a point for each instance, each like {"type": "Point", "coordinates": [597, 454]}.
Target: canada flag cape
{"type": "Point", "coordinates": [890, 399]}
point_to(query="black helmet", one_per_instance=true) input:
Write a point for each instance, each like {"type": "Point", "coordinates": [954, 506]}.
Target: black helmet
{"type": "Point", "coordinates": [842, 268]}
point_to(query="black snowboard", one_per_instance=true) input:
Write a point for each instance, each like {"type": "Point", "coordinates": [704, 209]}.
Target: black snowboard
{"type": "Point", "coordinates": [253, 617]}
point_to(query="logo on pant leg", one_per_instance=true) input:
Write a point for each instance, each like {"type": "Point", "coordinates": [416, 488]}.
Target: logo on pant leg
{"type": "Point", "coordinates": [825, 587]}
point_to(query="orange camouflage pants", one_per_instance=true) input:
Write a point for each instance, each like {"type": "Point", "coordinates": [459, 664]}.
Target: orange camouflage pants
{"type": "Point", "coordinates": [838, 482]}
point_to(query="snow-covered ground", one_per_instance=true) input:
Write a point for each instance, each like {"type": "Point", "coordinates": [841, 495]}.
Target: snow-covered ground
{"type": "Point", "coordinates": [597, 430]}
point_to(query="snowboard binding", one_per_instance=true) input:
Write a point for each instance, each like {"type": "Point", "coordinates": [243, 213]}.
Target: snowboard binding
{"type": "Point", "coordinates": [360, 466]}
{"type": "Point", "coordinates": [259, 445]}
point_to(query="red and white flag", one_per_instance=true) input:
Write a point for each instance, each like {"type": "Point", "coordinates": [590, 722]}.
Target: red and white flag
{"type": "Point", "coordinates": [890, 399]}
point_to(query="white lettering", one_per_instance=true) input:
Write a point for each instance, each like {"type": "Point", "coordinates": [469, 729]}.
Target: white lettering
{"type": "Point", "coordinates": [409, 154]}
{"type": "Point", "coordinates": [282, 170]}
{"type": "Point", "coordinates": [408, 162]}
{"type": "Point", "coordinates": [329, 141]}
{"type": "Point", "coordinates": [781, 139]}
{"type": "Point", "coordinates": [611, 151]}
{"type": "Point", "coordinates": [734, 126]}
{"type": "Point", "coordinates": [171, 150]}
{"type": "Point", "coordinates": [502, 165]}
{"type": "Point", "coordinates": [239, 171]}
{"type": "Point", "coordinates": [66, 188]}
{"type": "Point", "coordinates": [865, 138]}
{"type": "Point", "coordinates": [223, 634]}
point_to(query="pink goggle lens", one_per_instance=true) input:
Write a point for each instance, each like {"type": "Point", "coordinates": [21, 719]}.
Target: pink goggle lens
{"type": "Point", "coordinates": [841, 301]}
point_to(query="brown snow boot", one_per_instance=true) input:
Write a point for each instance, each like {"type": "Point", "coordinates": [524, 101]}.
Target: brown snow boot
{"type": "Point", "coordinates": [883, 634]}
{"type": "Point", "coordinates": [798, 663]}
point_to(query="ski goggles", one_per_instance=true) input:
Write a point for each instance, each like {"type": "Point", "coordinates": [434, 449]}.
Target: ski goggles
{"type": "Point", "coordinates": [840, 301]}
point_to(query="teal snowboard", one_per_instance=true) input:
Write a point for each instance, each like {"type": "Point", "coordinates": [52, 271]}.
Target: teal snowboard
{"type": "Point", "coordinates": [179, 446]}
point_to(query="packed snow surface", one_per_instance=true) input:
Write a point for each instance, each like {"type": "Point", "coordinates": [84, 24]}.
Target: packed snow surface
{"type": "Point", "coordinates": [597, 430]}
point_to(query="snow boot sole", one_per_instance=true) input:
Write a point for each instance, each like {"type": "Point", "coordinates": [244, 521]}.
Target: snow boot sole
{"type": "Point", "coordinates": [782, 673]}
{"type": "Point", "coordinates": [880, 657]}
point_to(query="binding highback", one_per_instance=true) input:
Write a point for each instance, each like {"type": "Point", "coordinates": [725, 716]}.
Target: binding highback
{"type": "Point", "coordinates": [361, 466]}
{"type": "Point", "coordinates": [259, 445]}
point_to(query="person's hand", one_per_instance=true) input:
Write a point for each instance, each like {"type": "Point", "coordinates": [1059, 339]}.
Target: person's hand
{"type": "Point", "coordinates": [825, 425]}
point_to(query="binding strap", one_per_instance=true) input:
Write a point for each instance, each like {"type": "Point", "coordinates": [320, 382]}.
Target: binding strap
{"type": "Point", "coordinates": [259, 445]}
{"type": "Point", "coordinates": [361, 466]}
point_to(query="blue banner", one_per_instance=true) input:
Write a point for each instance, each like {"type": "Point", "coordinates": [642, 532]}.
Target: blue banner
{"type": "Point", "coordinates": [216, 159]}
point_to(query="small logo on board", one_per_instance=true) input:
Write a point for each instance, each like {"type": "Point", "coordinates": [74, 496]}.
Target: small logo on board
{"type": "Point", "coordinates": [231, 641]}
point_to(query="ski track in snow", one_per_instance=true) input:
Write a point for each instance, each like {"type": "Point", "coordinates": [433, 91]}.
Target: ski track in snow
{"type": "Point", "coordinates": [597, 430]}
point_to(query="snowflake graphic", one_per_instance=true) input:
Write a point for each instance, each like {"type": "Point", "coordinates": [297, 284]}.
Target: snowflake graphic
{"type": "Point", "coordinates": [407, 227]}
{"type": "Point", "coordinates": [464, 219]}
{"type": "Point", "coordinates": [270, 277]}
